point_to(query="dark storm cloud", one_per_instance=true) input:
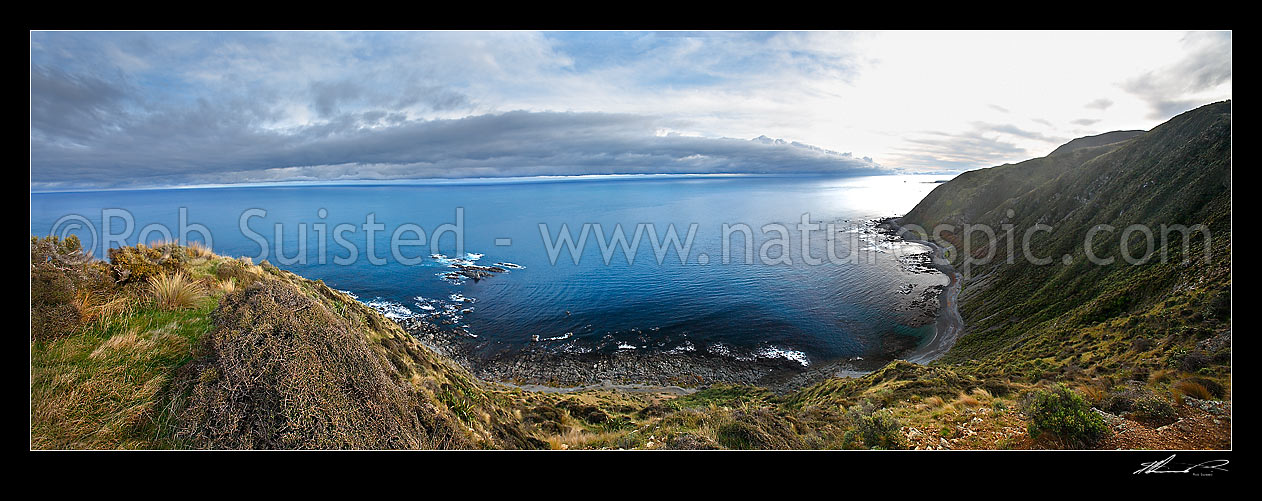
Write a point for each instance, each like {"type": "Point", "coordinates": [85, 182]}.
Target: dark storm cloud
{"type": "Point", "coordinates": [72, 107]}
{"type": "Point", "coordinates": [169, 108]}
{"type": "Point", "coordinates": [210, 145]}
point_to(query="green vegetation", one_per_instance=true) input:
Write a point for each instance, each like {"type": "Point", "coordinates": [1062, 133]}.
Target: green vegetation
{"type": "Point", "coordinates": [167, 346]}
{"type": "Point", "coordinates": [1065, 416]}
{"type": "Point", "coordinates": [877, 428]}
{"type": "Point", "coordinates": [102, 352]}
{"type": "Point", "coordinates": [175, 291]}
{"type": "Point", "coordinates": [1084, 320]}
{"type": "Point", "coordinates": [163, 346]}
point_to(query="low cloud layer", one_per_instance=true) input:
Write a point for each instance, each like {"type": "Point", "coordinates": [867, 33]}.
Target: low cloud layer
{"type": "Point", "coordinates": [205, 147]}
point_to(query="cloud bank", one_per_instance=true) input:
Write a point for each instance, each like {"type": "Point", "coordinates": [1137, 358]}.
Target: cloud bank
{"type": "Point", "coordinates": [172, 108]}
{"type": "Point", "coordinates": [207, 147]}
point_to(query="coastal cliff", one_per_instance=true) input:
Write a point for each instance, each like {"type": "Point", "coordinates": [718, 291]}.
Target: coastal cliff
{"type": "Point", "coordinates": [1031, 311]}
{"type": "Point", "coordinates": [168, 346]}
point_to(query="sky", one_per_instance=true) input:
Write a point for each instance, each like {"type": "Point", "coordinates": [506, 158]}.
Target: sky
{"type": "Point", "coordinates": [147, 109]}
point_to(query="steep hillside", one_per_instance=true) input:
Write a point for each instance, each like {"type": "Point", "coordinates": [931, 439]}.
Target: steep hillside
{"type": "Point", "coordinates": [973, 194]}
{"type": "Point", "coordinates": [1068, 314]}
{"type": "Point", "coordinates": [167, 346]}
{"type": "Point", "coordinates": [1107, 138]}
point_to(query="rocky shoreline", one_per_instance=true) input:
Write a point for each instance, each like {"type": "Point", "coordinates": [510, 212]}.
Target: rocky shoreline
{"type": "Point", "coordinates": [949, 323]}
{"type": "Point", "coordinates": [536, 366]}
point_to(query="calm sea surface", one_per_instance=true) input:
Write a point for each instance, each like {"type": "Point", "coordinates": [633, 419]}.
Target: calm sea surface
{"type": "Point", "coordinates": [806, 312]}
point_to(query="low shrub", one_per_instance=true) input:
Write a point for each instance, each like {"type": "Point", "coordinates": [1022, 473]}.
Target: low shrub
{"type": "Point", "coordinates": [235, 271]}
{"type": "Point", "coordinates": [880, 430]}
{"type": "Point", "coordinates": [690, 441]}
{"type": "Point", "coordinates": [142, 262]}
{"type": "Point", "coordinates": [1154, 410]}
{"type": "Point", "coordinates": [1219, 307]}
{"type": "Point", "coordinates": [1140, 404]}
{"type": "Point", "coordinates": [875, 427]}
{"type": "Point", "coordinates": [1194, 361]}
{"type": "Point", "coordinates": [64, 283]}
{"type": "Point", "coordinates": [1064, 415]}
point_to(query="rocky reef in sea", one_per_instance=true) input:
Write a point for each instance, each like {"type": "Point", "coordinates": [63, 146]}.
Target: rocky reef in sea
{"type": "Point", "coordinates": [466, 268]}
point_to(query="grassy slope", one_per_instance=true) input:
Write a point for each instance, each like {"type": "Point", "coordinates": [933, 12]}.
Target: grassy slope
{"type": "Point", "coordinates": [1096, 140]}
{"type": "Point", "coordinates": [268, 359]}
{"type": "Point", "coordinates": [263, 359]}
{"type": "Point", "coordinates": [1032, 318]}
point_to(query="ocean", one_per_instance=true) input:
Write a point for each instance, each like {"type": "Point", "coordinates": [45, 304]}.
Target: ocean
{"type": "Point", "coordinates": [775, 291]}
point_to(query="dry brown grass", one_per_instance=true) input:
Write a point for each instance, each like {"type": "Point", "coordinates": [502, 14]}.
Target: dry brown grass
{"type": "Point", "coordinates": [281, 371]}
{"type": "Point", "coordinates": [228, 286]}
{"type": "Point", "coordinates": [115, 308]}
{"type": "Point", "coordinates": [175, 291]}
{"type": "Point", "coordinates": [1093, 394]}
{"type": "Point", "coordinates": [967, 400]}
{"type": "Point", "coordinates": [86, 302]}
{"type": "Point", "coordinates": [939, 407]}
{"type": "Point", "coordinates": [1186, 388]}
{"type": "Point", "coordinates": [199, 250]}
{"type": "Point", "coordinates": [983, 395]}
{"type": "Point", "coordinates": [95, 309]}
{"type": "Point", "coordinates": [1161, 375]}
{"type": "Point", "coordinates": [573, 438]}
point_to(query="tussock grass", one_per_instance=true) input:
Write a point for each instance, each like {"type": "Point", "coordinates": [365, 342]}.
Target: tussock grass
{"type": "Point", "coordinates": [98, 308]}
{"type": "Point", "coordinates": [288, 363]}
{"type": "Point", "coordinates": [578, 438]}
{"type": "Point", "coordinates": [1161, 375]}
{"type": "Point", "coordinates": [199, 250]}
{"type": "Point", "coordinates": [228, 286]}
{"type": "Point", "coordinates": [967, 400]}
{"type": "Point", "coordinates": [982, 394]}
{"type": "Point", "coordinates": [175, 291]}
{"type": "Point", "coordinates": [1186, 388]}
{"type": "Point", "coordinates": [1093, 394]}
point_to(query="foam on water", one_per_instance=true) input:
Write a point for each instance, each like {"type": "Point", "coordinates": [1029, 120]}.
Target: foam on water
{"type": "Point", "coordinates": [390, 309]}
{"type": "Point", "coordinates": [684, 347]}
{"type": "Point", "coordinates": [787, 354]}
{"type": "Point", "coordinates": [562, 337]}
{"type": "Point", "coordinates": [808, 314]}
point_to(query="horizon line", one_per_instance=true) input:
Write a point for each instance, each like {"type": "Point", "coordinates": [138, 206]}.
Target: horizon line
{"type": "Point", "coordinates": [481, 180]}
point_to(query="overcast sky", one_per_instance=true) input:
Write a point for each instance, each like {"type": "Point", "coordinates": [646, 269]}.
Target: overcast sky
{"type": "Point", "coordinates": [170, 109]}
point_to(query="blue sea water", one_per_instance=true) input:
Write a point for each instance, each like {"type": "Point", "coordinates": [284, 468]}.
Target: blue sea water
{"type": "Point", "coordinates": [804, 312]}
